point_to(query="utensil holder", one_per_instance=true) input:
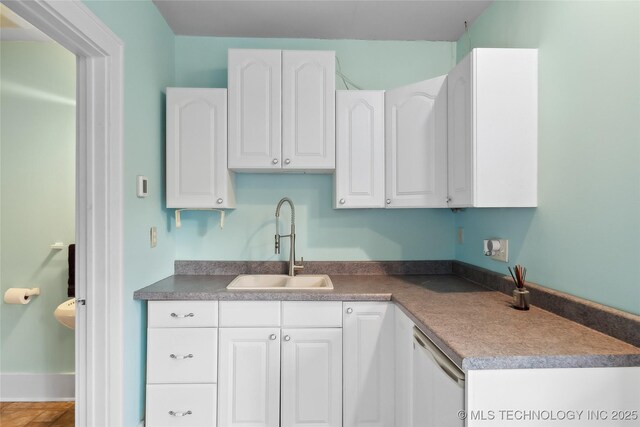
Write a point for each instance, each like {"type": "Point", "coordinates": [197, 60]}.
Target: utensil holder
{"type": "Point", "coordinates": [521, 299]}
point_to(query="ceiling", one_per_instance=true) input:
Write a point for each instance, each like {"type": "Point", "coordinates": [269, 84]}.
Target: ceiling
{"type": "Point", "coordinates": [322, 19]}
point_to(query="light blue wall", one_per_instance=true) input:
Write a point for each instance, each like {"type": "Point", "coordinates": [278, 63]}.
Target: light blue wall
{"type": "Point", "coordinates": [584, 238]}
{"type": "Point", "coordinates": [323, 233]}
{"type": "Point", "coordinates": [148, 70]}
{"type": "Point", "coordinates": [37, 201]}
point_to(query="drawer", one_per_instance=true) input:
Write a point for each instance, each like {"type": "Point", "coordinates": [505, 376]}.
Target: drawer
{"type": "Point", "coordinates": [187, 405]}
{"type": "Point", "coordinates": [183, 314]}
{"type": "Point", "coordinates": [249, 313]}
{"type": "Point", "coordinates": [180, 355]}
{"type": "Point", "coordinates": [305, 314]}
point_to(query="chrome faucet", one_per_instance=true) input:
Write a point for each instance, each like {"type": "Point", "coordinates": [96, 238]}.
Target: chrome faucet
{"type": "Point", "coordinates": [292, 237]}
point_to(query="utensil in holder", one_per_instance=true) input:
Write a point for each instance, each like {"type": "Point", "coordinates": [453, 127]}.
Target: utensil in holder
{"type": "Point", "coordinates": [521, 299]}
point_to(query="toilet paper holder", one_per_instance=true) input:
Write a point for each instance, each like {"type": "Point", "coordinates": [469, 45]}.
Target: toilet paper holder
{"type": "Point", "coordinates": [26, 293]}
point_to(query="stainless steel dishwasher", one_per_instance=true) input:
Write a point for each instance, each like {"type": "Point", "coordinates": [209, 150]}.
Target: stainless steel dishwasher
{"type": "Point", "coordinates": [438, 386]}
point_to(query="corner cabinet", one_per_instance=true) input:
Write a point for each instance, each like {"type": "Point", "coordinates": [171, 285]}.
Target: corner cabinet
{"type": "Point", "coordinates": [359, 177]}
{"type": "Point", "coordinates": [493, 129]}
{"type": "Point", "coordinates": [281, 110]}
{"type": "Point", "coordinates": [197, 174]}
{"type": "Point", "coordinates": [416, 145]}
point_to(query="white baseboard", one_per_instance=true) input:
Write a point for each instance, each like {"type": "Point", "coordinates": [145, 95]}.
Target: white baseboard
{"type": "Point", "coordinates": [37, 387]}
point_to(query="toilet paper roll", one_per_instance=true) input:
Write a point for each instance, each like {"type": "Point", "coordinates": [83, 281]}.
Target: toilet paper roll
{"type": "Point", "coordinates": [19, 295]}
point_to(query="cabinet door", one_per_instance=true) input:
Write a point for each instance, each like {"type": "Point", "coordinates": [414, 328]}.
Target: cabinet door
{"type": "Point", "coordinates": [359, 177]}
{"type": "Point", "coordinates": [181, 405]}
{"type": "Point", "coordinates": [404, 369]}
{"type": "Point", "coordinates": [460, 135]}
{"type": "Point", "coordinates": [249, 377]}
{"type": "Point", "coordinates": [368, 364]}
{"type": "Point", "coordinates": [308, 110]}
{"type": "Point", "coordinates": [312, 377]}
{"type": "Point", "coordinates": [416, 145]}
{"type": "Point", "coordinates": [197, 174]}
{"type": "Point", "coordinates": [254, 108]}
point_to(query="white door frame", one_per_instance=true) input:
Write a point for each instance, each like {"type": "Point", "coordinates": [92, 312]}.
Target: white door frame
{"type": "Point", "coordinates": [99, 233]}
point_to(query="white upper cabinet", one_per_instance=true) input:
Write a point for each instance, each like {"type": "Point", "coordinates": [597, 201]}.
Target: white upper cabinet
{"type": "Point", "coordinates": [254, 108]}
{"type": "Point", "coordinates": [359, 177]}
{"type": "Point", "coordinates": [416, 145]}
{"type": "Point", "coordinates": [493, 129]}
{"type": "Point", "coordinates": [197, 174]}
{"type": "Point", "coordinates": [308, 110]}
{"type": "Point", "coordinates": [281, 110]}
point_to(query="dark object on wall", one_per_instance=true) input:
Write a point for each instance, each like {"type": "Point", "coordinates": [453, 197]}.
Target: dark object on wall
{"type": "Point", "coordinates": [71, 282]}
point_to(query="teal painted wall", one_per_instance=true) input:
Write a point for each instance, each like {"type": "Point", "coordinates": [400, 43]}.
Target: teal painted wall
{"type": "Point", "coordinates": [323, 233]}
{"type": "Point", "coordinates": [148, 70]}
{"type": "Point", "coordinates": [584, 238]}
{"type": "Point", "coordinates": [37, 201]}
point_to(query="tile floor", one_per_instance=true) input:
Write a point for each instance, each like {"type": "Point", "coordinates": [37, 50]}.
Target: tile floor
{"type": "Point", "coordinates": [37, 414]}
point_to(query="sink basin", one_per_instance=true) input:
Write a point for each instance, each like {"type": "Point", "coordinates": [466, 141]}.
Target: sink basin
{"type": "Point", "coordinates": [281, 281]}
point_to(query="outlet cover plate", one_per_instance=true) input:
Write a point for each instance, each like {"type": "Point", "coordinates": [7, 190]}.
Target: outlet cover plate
{"type": "Point", "coordinates": [503, 253]}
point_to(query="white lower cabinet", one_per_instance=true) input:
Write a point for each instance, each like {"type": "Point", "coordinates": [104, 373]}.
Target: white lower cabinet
{"type": "Point", "coordinates": [249, 377]}
{"type": "Point", "coordinates": [311, 377]}
{"type": "Point", "coordinates": [280, 376]}
{"type": "Point", "coordinates": [182, 352]}
{"type": "Point", "coordinates": [404, 369]}
{"type": "Point", "coordinates": [368, 358]}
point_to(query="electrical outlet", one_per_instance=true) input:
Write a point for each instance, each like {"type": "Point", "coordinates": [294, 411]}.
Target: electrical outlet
{"type": "Point", "coordinates": [153, 236]}
{"type": "Point", "coordinates": [497, 249]}
{"type": "Point", "coordinates": [460, 235]}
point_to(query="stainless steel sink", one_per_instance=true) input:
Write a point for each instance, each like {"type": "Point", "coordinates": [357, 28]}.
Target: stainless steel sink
{"type": "Point", "coordinates": [281, 281]}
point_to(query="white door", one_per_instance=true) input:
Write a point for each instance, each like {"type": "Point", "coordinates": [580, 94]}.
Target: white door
{"type": "Point", "coordinates": [416, 141]}
{"type": "Point", "coordinates": [254, 108]}
{"type": "Point", "coordinates": [311, 377]}
{"type": "Point", "coordinates": [197, 174]}
{"type": "Point", "coordinates": [368, 355]}
{"type": "Point", "coordinates": [249, 377]}
{"type": "Point", "coordinates": [308, 110]}
{"type": "Point", "coordinates": [460, 135]}
{"type": "Point", "coordinates": [404, 369]}
{"type": "Point", "coordinates": [359, 177]}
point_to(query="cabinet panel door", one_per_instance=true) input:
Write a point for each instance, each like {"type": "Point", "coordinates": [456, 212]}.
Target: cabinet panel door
{"type": "Point", "coordinates": [368, 360]}
{"type": "Point", "coordinates": [416, 145]}
{"type": "Point", "coordinates": [359, 177]}
{"type": "Point", "coordinates": [404, 369]}
{"type": "Point", "coordinates": [254, 108]}
{"type": "Point", "coordinates": [308, 110]}
{"type": "Point", "coordinates": [312, 377]}
{"type": "Point", "coordinates": [460, 135]}
{"type": "Point", "coordinates": [249, 380]}
{"type": "Point", "coordinates": [197, 174]}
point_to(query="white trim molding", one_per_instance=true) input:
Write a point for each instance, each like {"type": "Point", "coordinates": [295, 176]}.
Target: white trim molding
{"type": "Point", "coordinates": [99, 232]}
{"type": "Point", "coordinates": [20, 387]}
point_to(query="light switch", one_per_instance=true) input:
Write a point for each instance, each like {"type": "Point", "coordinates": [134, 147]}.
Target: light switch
{"type": "Point", "coordinates": [153, 236]}
{"type": "Point", "coordinates": [142, 186]}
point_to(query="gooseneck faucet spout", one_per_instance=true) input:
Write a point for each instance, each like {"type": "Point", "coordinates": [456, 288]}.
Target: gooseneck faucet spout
{"type": "Point", "coordinates": [292, 236]}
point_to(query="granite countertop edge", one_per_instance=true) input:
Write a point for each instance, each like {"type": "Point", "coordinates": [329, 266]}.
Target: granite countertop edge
{"type": "Point", "coordinates": [166, 290]}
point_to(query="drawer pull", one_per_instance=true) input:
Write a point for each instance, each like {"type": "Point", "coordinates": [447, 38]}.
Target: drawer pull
{"type": "Point", "coordinates": [179, 357]}
{"type": "Point", "coordinates": [179, 413]}
{"type": "Point", "coordinates": [182, 316]}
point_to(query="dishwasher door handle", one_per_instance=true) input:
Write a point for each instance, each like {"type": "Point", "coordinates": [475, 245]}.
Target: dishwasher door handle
{"type": "Point", "coordinates": [439, 357]}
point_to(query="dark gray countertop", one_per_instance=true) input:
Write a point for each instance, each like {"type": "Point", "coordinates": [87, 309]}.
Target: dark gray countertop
{"type": "Point", "coordinates": [475, 326]}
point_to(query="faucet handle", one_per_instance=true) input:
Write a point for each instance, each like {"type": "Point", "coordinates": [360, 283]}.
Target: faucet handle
{"type": "Point", "coordinates": [299, 266]}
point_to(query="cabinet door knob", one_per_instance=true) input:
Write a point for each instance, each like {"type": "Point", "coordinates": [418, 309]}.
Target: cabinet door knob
{"type": "Point", "coordinates": [342, 201]}
{"type": "Point", "coordinates": [287, 161]}
{"type": "Point", "coordinates": [287, 338]}
{"type": "Point", "coordinates": [179, 413]}
{"type": "Point", "coordinates": [349, 310]}
{"type": "Point", "coordinates": [181, 357]}
{"type": "Point", "coordinates": [388, 201]}
{"type": "Point", "coordinates": [219, 201]}
{"type": "Point", "coordinates": [274, 161]}
{"type": "Point", "coordinates": [272, 337]}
